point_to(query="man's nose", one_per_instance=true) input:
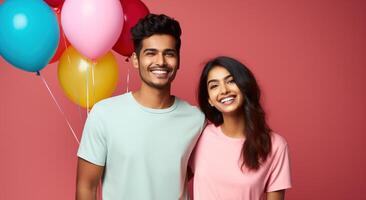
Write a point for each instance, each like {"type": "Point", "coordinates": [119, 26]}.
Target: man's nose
{"type": "Point", "coordinates": [160, 60]}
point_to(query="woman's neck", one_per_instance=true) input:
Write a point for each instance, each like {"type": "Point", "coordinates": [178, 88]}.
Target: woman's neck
{"type": "Point", "coordinates": [234, 125]}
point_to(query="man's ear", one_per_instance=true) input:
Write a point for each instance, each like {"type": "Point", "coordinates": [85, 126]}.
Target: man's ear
{"type": "Point", "coordinates": [135, 60]}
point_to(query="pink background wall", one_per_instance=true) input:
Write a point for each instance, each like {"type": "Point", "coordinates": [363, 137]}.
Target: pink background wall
{"type": "Point", "coordinates": [309, 58]}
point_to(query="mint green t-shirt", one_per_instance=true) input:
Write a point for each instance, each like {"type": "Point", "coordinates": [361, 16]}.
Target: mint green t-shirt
{"type": "Point", "coordinates": [144, 151]}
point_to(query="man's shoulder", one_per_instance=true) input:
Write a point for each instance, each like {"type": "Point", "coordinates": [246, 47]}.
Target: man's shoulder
{"type": "Point", "coordinates": [191, 109]}
{"type": "Point", "coordinates": [187, 106]}
{"type": "Point", "coordinates": [111, 103]}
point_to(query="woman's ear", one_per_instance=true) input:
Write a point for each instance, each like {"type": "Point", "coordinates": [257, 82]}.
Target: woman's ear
{"type": "Point", "coordinates": [210, 102]}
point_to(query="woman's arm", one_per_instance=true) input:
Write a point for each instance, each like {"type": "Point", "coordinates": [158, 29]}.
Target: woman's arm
{"type": "Point", "coordinates": [276, 195]}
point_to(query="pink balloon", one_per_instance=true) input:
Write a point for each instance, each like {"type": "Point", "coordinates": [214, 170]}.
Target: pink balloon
{"type": "Point", "coordinates": [92, 26]}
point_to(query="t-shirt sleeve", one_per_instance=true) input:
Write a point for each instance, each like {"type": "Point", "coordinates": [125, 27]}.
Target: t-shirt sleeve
{"type": "Point", "coordinates": [93, 146]}
{"type": "Point", "coordinates": [280, 177]}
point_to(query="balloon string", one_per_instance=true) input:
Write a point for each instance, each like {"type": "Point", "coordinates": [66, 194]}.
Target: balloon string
{"type": "Point", "coordinates": [93, 81]}
{"type": "Point", "coordinates": [80, 114]}
{"type": "Point", "coordinates": [69, 60]}
{"type": "Point", "coordinates": [87, 92]}
{"type": "Point", "coordinates": [58, 106]}
{"type": "Point", "coordinates": [128, 79]}
{"type": "Point", "coordinates": [127, 59]}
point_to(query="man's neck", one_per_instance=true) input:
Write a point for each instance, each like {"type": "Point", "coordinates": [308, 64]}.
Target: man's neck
{"type": "Point", "coordinates": [153, 98]}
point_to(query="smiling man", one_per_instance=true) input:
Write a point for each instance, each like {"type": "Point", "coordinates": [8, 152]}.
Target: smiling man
{"type": "Point", "coordinates": [139, 143]}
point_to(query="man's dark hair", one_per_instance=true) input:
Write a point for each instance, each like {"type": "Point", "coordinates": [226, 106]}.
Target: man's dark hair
{"type": "Point", "coordinates": [155, 24]}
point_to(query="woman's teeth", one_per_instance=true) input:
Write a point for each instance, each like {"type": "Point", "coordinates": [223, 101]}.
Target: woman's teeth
{"type": "Point", "coordinates": [227, 100]}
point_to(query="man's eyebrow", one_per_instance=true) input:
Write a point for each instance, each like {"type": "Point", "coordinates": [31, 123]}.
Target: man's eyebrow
{"type": "Point", "coordinates": [150, 49]}
{"type": "Point", "coordinates": [170, 50]}
{"type": "Point", "coordinates": [155, 50]}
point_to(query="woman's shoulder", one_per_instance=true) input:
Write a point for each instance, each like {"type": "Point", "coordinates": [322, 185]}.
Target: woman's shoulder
{"type": "Point", "coordinates": [210, 126]}
{"type": "Point", "coordinates": [278, 141]}
{"type": "Point", "coordinates": [208, 129]}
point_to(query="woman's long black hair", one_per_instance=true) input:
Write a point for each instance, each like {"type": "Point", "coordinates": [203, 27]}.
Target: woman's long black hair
{"type": "Point", "coordinates": [257, 145]}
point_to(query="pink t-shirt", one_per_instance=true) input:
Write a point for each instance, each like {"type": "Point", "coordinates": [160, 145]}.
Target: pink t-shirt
{"type": "Point", "coordinates": [217, 174]}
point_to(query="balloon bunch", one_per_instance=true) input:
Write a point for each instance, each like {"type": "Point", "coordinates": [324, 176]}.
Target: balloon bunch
{"type": "Point", "coordinates": [80, 34]}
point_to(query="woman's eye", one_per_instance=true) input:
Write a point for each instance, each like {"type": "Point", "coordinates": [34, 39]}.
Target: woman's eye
{"type": "Point", "coordinates": [212, 87]}
{"type": "Point", "coordinates": [231, 81]}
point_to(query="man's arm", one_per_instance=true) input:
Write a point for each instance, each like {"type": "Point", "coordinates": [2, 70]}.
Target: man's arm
{"type": "Point", "coordinates": [88, 176]}
{"type": "Point", "coordinates": [276, 195]}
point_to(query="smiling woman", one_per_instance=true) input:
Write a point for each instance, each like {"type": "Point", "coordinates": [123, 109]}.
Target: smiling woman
{"type": "Point", "coordinates": [238, 156]}
{"type": "Point", "coordinates": [223, 92]}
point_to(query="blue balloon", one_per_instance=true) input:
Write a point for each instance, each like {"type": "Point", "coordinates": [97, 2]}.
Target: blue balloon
{"type": "Point", "coordinates": [29, 33]}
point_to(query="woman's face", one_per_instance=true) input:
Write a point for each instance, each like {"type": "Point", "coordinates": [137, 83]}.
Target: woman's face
{"type": "Point", "coordinates": [223, 92]}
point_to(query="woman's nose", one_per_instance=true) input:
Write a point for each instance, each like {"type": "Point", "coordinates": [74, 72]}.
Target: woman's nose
{"type": "Point", "coordinates": [223, 89]}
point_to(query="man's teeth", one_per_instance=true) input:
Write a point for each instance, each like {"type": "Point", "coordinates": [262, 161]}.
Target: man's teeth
{"type": "Point", "coordinates": [227, 99]}
{"type": "Point", "coordinates": [159, 71]}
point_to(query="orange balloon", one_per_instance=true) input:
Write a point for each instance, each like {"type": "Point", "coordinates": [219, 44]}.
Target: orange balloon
{"type": "Point", "coordinates": [86, 82]}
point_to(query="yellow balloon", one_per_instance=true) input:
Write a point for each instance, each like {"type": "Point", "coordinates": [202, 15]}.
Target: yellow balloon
{"type": "Point", "coordinates": [86, 82]}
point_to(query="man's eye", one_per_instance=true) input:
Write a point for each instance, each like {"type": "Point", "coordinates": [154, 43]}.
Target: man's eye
{"type": "Point", "coordinates": [170, 54]}
{"type": "Point", "coordinates": [149, 53]}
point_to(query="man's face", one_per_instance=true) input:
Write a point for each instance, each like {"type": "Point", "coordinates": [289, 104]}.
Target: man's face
{"type": "Point", "coordinates": [158, 61]}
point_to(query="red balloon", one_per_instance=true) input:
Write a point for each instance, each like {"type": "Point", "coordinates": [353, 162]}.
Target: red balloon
{"type": "Point", "coordinates": [133, 11]}
{"type": "Point", "coordinates": [54, 3]}
{"type": "Point", "coordinates": [63, 43]}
